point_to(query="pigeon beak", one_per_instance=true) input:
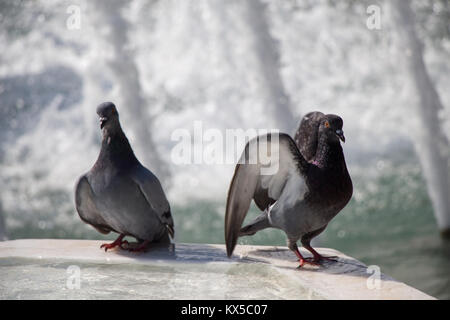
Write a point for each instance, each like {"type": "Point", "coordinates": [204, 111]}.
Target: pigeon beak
{"type": "Point", "coordinates": [103, 121]}
{"type": "Point", "coordinates": [340, 134]}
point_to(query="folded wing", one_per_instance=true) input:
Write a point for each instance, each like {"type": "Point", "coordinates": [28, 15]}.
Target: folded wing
{"type": "Point", "coordinates": [155, 196]}
{"type": "Point", "coordinates": [86, 207]}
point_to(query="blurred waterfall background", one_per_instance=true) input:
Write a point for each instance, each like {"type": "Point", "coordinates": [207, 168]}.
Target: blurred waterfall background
{"type": "Point", "coordinates": [234, 64]}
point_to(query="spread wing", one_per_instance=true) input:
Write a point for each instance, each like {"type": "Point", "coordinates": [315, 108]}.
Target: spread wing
{"type": "Point", "coordinates": [261, 180]}
{"type": "Point", "coordinates": [86, 208]}
{"type": "Point", "coordinates": [306, 136]}
{"type": "Point", "coordinates": [154, 194]}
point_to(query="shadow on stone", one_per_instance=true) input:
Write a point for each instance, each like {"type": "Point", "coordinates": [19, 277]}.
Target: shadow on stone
{"type": "Point", "coordinates": [344, 265]}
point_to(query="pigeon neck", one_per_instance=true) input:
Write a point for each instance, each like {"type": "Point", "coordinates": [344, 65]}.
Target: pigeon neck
{"type": "Point", "coordinates": [329, 153]}
{"type": "Point", "coordinates": [116, 149]}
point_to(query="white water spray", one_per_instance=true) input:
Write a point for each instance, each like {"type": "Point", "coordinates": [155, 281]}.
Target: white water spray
{"type": "Point", "coordinates": [431, 144]}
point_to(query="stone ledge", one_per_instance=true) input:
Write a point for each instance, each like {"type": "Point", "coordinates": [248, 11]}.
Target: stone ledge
{"type": "Point", "coordinates": [346, 279]}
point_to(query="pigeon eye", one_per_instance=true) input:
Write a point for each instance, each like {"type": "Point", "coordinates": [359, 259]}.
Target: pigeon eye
{"type": "Point", "coordinates": [327, 124]}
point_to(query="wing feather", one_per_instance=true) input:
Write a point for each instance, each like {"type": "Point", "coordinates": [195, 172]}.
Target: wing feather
{"type": "Point", "coordinates": [86, 207]}
{"type": "Point", "coordinates": [154, 194]}
{"type": "Point", "coordinates": [260, 180]}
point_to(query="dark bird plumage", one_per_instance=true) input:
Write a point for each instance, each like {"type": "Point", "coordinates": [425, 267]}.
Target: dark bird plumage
{"type": "Point", "coordinates": [119, 194]}
{"type": "Point", "coordinates": [307, 136]}
{"type": "Point", "coordinates": [307, 186]}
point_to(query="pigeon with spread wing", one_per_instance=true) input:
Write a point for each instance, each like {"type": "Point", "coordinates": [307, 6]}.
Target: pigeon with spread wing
{"type": "Point", "coordinates": [298, 188]}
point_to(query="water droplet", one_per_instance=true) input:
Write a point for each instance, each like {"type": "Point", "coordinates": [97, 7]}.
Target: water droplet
{"type": "Point", "coordinates": [20, 104]}
{"type": "Point", "coordinates": [380, 165]}
{"type": "Point", "coordinates": [341, 233]}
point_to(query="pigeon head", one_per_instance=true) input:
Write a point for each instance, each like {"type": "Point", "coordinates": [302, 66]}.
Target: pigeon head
{"type": "Point", "coordinates": [109, 117]}
{"type": "Point", "coordinates": [331, 125]}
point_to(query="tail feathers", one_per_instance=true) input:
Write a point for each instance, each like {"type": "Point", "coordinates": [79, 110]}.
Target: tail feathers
{"type": "Point", "coordinates": [171, 231]}
{"type": "Point", "coordinates": [231, 241]}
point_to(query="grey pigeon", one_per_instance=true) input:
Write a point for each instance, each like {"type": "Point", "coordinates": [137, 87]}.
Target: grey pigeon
{"type": "Point", "coordinates": [119, 194]}
{"type": "Point", "coordinates": [300, 197]}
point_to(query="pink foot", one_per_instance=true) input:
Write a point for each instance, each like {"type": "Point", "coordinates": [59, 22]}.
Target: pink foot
{"type": "Point", "coordinates": [319, 258]}
{"type": "Point", "coordinates": [304, 261]}
{"type": "Point", "coordinates": [117, 243]}
{"type": "Point", "coordinates": [307, 261]}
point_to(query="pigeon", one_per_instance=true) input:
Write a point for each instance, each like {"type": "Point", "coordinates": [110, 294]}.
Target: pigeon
{"type": "Point", "coordinates": [298, 192]}
{"type": "Point", "coordinates": [119, 194]}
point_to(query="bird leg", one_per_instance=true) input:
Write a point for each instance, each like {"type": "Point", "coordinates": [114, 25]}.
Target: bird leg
{"type": "Point", "coordinates": [303, 260]}
{"type": "Point", "coordinates": [317, 257]}
{"type": "Point", "coordinates": [117, 242]}
{"type": "Point", "coordinates": [293, 246]}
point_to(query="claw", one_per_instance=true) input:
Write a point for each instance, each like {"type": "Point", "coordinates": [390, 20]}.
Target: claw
{"type": "Point", "coordinates": [317, 257]}
{"type": "Point", "coordinates": [107, 246]}
{"type": "Point", "coordinates": [304, 261]}
{"type": "Point", "coordinates": [307, 261]}
{"type": "Point", "coordinates": [315, 260]}
{"type": "Point", "coordinates": [117, 242]}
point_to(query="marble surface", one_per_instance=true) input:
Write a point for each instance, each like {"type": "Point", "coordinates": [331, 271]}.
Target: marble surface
{"type": "Point", "coordinates": [45, 269]}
